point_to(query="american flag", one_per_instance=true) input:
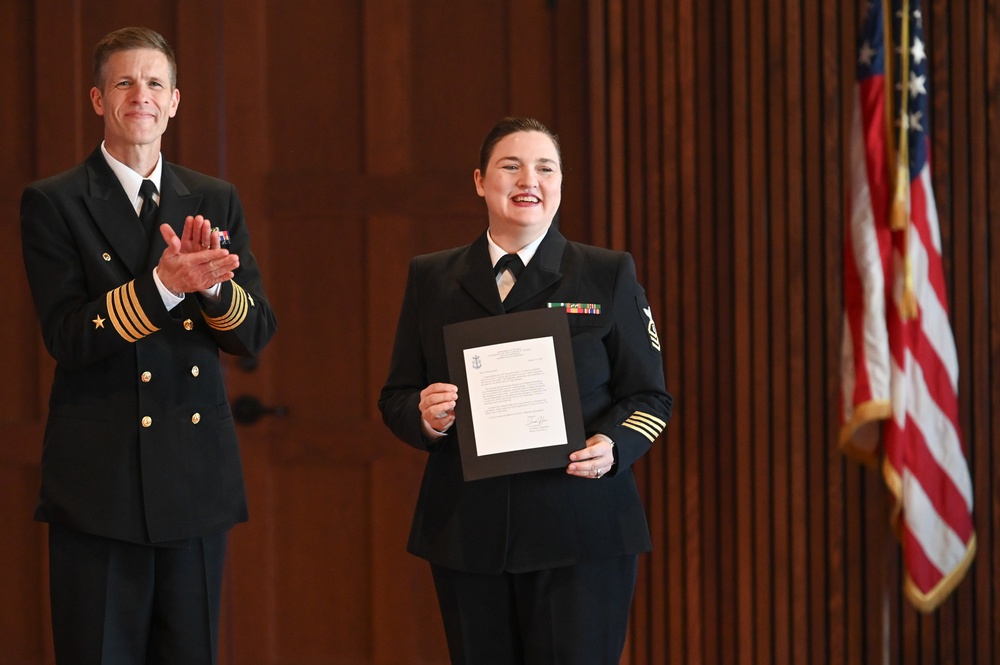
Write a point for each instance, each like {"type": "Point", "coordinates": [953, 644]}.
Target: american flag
{"type": "Point", "coordinates": [899, 365]}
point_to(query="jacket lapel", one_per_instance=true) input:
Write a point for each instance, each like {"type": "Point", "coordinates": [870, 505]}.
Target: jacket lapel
{"type": "Point", "coordinates": [113, 213]}
{"type": "Point", "coordinates": [478, 280]}
{"type": "Point", "coordinates": [475, 275]}
{"type": "Point", "coordinates": [542, 271]}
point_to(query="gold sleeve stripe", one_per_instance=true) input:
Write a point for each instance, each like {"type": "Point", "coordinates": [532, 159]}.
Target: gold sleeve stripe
{"type": "Point", "coordinates": [651, 435]}
{"type": "Point", "coordinates": [126, 313]}
{"type": "Point", "coordinates": [135, 312]}
{"type": "Point", "coordinates": [237, 313]}
{"type": "Point", "coordinates": [650, 419]}
{"type": "Point", "coordinates": [645, 424]}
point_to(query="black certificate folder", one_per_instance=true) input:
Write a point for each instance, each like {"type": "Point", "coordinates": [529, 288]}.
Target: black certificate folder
{"type": "Point", "coordinates": [518, 403]}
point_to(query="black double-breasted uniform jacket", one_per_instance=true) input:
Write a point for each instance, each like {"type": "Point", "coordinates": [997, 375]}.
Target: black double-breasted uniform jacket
{"type": "Point", "coordinates": [140, 443]}
{"type": "Point", "coordinates": [541, 519]}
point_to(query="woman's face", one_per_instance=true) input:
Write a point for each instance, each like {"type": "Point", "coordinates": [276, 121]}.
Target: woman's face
{"type": "Point", "coordinates": [522, 183]}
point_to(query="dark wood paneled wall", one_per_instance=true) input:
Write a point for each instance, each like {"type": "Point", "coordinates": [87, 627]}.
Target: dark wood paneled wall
{"type": "Point", "coordinates": [718, 134]}
{"type": "Point", "coordinates": [707, 138]}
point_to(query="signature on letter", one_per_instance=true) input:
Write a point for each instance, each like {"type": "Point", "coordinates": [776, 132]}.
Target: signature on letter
{"type": "Point", "coordinates": [537, 423]}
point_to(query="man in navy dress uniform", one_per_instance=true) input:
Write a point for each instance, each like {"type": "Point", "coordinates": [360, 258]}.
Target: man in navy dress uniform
{"type": "Point", "coordinates": [141, 273]}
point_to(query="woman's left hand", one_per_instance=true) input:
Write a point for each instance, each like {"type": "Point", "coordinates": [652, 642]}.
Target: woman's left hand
{"type": "Point", "coordinates": [595, 460]}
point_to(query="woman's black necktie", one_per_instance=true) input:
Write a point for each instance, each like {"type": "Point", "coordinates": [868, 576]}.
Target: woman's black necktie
{"type": "Point", "coordinates": [513, 263]}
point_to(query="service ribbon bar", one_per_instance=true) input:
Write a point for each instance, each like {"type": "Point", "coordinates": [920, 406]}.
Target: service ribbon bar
{"type": "Point", "coordinates": [577, 307]}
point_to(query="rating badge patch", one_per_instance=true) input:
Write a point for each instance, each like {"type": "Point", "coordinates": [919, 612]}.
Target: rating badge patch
{"type": "Point", "coordinates": [654, 339]}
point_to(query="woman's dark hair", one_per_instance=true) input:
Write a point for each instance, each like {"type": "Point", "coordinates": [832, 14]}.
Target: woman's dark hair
{"type": "Point", "coordinates": [509, 126]}
{"type": "Point", "coordinates": [128, 39]}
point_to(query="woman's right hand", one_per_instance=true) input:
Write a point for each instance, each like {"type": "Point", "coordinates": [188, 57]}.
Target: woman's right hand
{"type": "Point", "coordinates": [437, 405]}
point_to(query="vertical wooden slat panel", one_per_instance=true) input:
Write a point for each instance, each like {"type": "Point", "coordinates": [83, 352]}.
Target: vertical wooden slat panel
{"type": "Point", "coordinates": [719, 241]}
{"type": "Point", "coordinates": [680, 375]}
{"type": "Point", "coordinates": [957, 92]}
{"type": "Point", "coordinates": [778, 129]}
{"type": "Point", "coordinates": [646, 212]}
{"type": "Point", "coordinates": [690, 33]}
{"type": "Point", "coordinates": [666, 566]}
{"type": "Point", "coordinates": [971, 325]}
{"type": "Point", "coordinates": [758, 219]}
{"type": "Point", "coordinates": [987, 472]}
{"type": "Point", "coordinates": [815, 630]}
{"type": "Point", "coordinates": [635, 166]}
{"type": "Point", "coordinates": [703, 479]}
{"type": "Point", "coordinates": [570, 109]}
{"type": "Point", "coordinates": [986, 396]}
{"type": "Point", "coordinates": [826, 549]}
{"type": "Point", "coordinates": [947, 128]}
{"type": "Point", "coordinates": [598, 83]}
{"type": "Point", "coordinates": [839, 496]}
{"type": "Point", "coordinates": [614, 234]}
{"type": "Point", "coordinates": [746, 628]}
{"type": "Point", "coordinates": [797, 494]}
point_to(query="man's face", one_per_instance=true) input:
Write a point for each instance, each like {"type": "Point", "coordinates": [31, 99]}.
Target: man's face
{"type": "Point", "coordinates": [522, 183]}
{"type": "Point", "coordinates": [137, 100]}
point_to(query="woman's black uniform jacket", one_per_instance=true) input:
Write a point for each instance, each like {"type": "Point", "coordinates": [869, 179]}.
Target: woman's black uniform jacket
{"type": "Point", "coordinates": [542, 519]}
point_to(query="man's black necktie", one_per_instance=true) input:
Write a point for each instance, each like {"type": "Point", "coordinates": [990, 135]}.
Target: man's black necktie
{"type": "Point", "coordinates": [147, 214]}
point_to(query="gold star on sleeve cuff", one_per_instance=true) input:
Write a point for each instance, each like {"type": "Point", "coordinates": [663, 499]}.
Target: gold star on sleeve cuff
{"type": "Point", "coordinates": [98, 322]}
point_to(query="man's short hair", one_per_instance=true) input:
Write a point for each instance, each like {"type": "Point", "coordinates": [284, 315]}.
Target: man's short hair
{"type": "Point", "coordinates": [128, 39]}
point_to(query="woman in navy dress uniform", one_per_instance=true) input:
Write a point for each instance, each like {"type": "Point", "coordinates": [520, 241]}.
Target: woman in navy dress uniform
{"type": "Point", "coordinates": [534, 567]}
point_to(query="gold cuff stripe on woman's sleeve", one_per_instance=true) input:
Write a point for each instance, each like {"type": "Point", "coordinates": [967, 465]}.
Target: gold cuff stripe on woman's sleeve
{"type": "Point", "coordinates": [127, 315]}
{"type": "Point", "coordinates": [641, 430]}
{"type": "Point", "coordinates": [651, 420]}
{"type": "Point", "coordinates": [237, 313]}
{"type": "Point", "coordinates": [647, 425]}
